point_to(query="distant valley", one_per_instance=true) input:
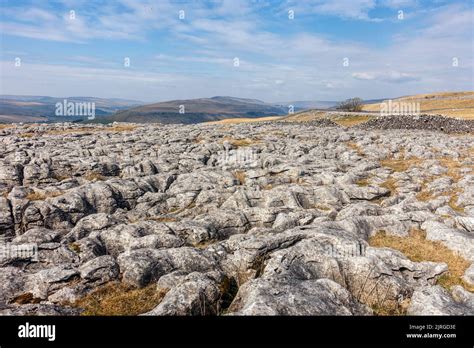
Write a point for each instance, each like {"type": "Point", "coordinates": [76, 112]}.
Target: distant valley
{"type": "Point", "coordinates": [42, 109]}
{"type": "Point", "coordinates": [15, 108]}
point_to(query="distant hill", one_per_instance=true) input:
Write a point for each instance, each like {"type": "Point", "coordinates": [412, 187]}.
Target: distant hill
{"type": "Point", "coordinates": [198, 110]}
{"type": "Point", "coordinates": [17, 108]}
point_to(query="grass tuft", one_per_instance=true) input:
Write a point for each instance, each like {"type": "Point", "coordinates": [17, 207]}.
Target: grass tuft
{"type": "Point", "coordinates": [400, 165]}
{"type": "Point", "coordinates": [452, 202]}
{"type": "Point", "coordinates": [41, 196]}
{"type": "Point", "coordinates": [162, 218]}
{"type": "Point", "coordinates": [241, 176]}
{"type": "Point", "coordinates": [390, 184]}
{"type": "Point", "coordinates": [417, 248]}
{"type": "Point", "coordinates": [241, 142]}
{"type": "Point", "coordinates": [120, 299]}
{"type": "Point", "coordinates": [94, 177]}
{"type": "Point", "coordinates": [353, 146]}
{"type": "Point", "coordinates": [363, 182]}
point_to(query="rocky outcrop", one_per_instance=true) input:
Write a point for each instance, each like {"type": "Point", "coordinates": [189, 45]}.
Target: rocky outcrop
{"type": "Point", "coordinates": [248, 219]}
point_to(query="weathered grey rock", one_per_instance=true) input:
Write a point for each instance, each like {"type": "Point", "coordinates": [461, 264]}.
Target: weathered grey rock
{"type": "Point", "coordinates": [466, 198]}
{"type": "Point", "coordinates": [466, 222]}
{"type": "Point", "coordinates": [47, 281]}
{"type": "Point", "coordinates": [12, 282]}
{"type": "Point", "coordinates": [94, 222]}
{"type": "Point", "coordinates": [456, 240]}
{"type": "Point", "coordinates": [69, 295]}
{"type": "Point", "coordinates": [365, 193]}
{"type": "Point", "coordinates": [141, 235]}
{"type": "Point", "coordinates": [11, 175]}
{"type": "Point", "coordinates": [6, 218]}
{"type": "Point", "coordinates": [40, 309]}
{"type": "Point", "coordinates": [142, 266]}
{"type": "Point", "coordinates": [38, 235]}
{"type": "Point", "coordinates": [197, 294]}
{"type": "Point", "coordinates": [463, 296]}
{"type": "Point", "coordinates": [359, 209]}
{"type": "Point", "coordinates": [468, 276]}
{"type": "Point", "coordinates": [308, 297]}
{"type": "Point", "coordinates": [101, 269]}
{"type": "Point", "coordinates": [434, 300]}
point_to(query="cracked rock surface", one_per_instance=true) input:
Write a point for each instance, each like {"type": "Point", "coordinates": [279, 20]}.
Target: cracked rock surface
{"type": "Point", "coordinates": [247, 219]}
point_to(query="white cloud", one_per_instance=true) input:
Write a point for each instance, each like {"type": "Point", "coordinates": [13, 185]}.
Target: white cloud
{"type": "Point", "coordinates": [398, 4]}
{"type": "Point", "coordinates": [363, 76]}
{"type": "Point", "coordinates": [273, 65]}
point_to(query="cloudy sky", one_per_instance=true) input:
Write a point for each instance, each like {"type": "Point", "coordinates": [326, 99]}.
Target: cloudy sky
{"type": "Point", "coordinates": [267, 49]}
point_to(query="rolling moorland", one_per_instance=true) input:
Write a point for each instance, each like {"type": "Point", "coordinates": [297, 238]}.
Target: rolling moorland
{"type": "Point", "coordinates": [42, 109]}
{"type": "Point", "coordinates": [15, 108]}
{"type": "Point", "coordinates": [455, 104]}
{"type": "Point", "coordinates": [316, 213]}
{"type": "Point", "coordinates": [218, 109]}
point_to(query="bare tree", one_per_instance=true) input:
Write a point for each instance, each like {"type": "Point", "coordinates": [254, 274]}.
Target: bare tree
{"type": "Point", "coordinates": [352, 104]}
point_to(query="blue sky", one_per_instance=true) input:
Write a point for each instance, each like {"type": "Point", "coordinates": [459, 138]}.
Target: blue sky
{"type": "Point", "coordinates": [388, 53]}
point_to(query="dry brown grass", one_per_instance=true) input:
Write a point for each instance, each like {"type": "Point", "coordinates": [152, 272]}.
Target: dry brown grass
{"type": "Point", "coordinates": [453, 104]}
{"type": "Point", "coordinates": [119, 299]}
{"type": "Point", "coordinates": [299, 181]}
{"type": "Point", "coordinates": [454, 167]}
{"type": "Point", "coordinates": [41, 196]}
{"type": "Point", "coordinates": [241, 176]}
{"type": "Point", "coordinates": [204, 244]}
{"type": "Point", "coordinates": [322, 207]}
{"type": "Point", "coordinates": [74, 247]}
{"type": "Point", "coordinates": [363, 182]}
{"type": "Point", "coordinates": [241, 142]}
{"type": "Point", "coordinates": [3, 126]}
{"type": "Point", "coordinates": [121, 128]}
{"type": "Point", "coordinates": [390, 184]}
{"type": "Point", "coordinates": [199, 140]}
{"type": "Point", "coordinates": [305, 116]}
{"type": "Point", "coordinates": [94, 177]}
{"type": "Point", "coordinates": [266, 187]}
{"type": "Point", "coordinates": [417, 248]}
{"type": "Point", "coordinates": [467, 113]}
{"type": "Point", "coordinates": [162, 218]}
{"type": "Point", "coordinates": [27, 135]}
{"type": "Point", "coordinates": [355, 147]}
{"type": "Point", "coordinates": [25, 298]}
{"type": "Point", "coordinates": [352, 120]}
{"type": "Point", "coordinates": [452, 201]}
{"type": "Point", "coordinates": [425, 195]}
{"type": "Point", "coordinates": [389, 308]}
{"type": "Point", "coordinates": [246, 120]}
{"type": "Point", "coordinates": [401, 165]}
{"type": "Point", "coordinates": [61, 177]}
